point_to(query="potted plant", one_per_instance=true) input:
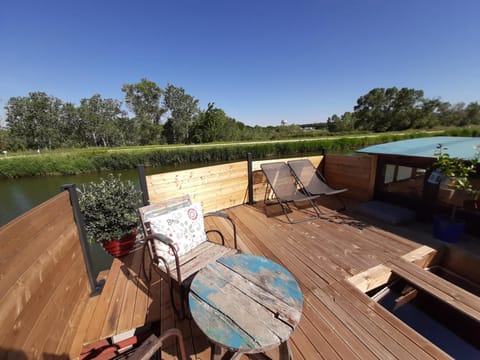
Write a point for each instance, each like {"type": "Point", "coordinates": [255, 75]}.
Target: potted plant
{"type": "Point", "coordinates": [455, 187]}
{"type": "Point", "coordinates": [472, 188]}
{"type": "Point", "coordinates": [109, 208]}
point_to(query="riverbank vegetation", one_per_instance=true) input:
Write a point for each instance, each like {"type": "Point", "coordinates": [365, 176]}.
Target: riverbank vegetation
{"type": "Point", "coordinates": [150, 115]}
{"type": "Point", "coordinates": [158, 127]}
{"type": "Point", "coordinates": [70, 162]}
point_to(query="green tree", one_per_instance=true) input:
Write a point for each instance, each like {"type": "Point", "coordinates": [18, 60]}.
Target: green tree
{"type": "Point", "coordinates": [211, 125]}
{"type": "Point", "coordinates": [143, 99]}
{"type": "Point", "coordinates": [101, 120]}
{"type": "Point", "coordinates": [345, 123]}
{"type": "Point", "coordinates": [389, 109]}
{"type": "Point", "coordinates": [472, 113]}
{"type": "Point", "coordinates": [452, 114]}
{"type": "Point", "coordinates": [74, 134]}
{"type": "Point", "coordinates": [182, 110]}
{"type": "Point", "coordinates": [34, 121]}
{"type": "Point", "coordinates": [232, 129]}
{"type": "Point", "coordinates": [431, 110]}
{"type": "Point", "coordinates": [4, 139]}
{"type": "Point", "coordinates": [333, 123]}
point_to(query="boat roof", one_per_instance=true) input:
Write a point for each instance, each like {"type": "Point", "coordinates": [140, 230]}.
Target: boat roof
{"type": "Point", "coordinates": [457, 147]}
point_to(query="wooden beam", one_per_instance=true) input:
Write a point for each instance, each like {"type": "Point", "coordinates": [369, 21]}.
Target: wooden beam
{"type": "Point", "coordinates": [438, 287]}
{"type": "Point", "coordinates": [372, 278]}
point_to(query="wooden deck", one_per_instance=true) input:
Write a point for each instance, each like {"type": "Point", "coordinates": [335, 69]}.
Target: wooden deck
{"type": "Point", "coordinates": [338, 321]}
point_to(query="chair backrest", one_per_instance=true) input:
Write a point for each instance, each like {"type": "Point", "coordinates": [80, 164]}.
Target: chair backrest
{"type": "Point", "coordinates": [163, 207]}
{"type": "Point", "coordinates": [180, 220]}
{"type": "Point", "coordinates": [280, 179]}
{"type": "Point", "coordinates": [308, 178]}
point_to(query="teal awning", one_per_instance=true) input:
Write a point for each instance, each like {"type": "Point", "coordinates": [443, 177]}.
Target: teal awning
{"type": "Point", "coordinates": [456, 147]}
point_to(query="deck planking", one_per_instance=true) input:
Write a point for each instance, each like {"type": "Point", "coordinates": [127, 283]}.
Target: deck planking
{"type": "Point", "coordinates": [338, 321]}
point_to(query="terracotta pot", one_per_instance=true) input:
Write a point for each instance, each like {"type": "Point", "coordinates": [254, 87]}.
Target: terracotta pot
{"type": "Point", "coordinates": [121, 247]}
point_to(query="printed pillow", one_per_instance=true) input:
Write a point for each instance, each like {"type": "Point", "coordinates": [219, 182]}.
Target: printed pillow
{"type": "Point", "coordinates": [184, 226]}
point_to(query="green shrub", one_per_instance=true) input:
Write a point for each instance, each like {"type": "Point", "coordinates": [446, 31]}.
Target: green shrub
{"type": "Point", "coordinates": [109, 208]}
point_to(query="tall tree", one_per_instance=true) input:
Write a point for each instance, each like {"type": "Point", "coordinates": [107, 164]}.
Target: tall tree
{"type": "Point", "coordinates": [4, 139]}
{"type": "Point", "coordinates": [472, 113]}
{"type": "Point", "coordinates": [74, 134]}
{"type": "Point", "coordinates": [210, 125]}
{"type": "Point", "coordinates": [35, 120]}
{"type": "Point", "coordinates": [182, 110]}
{"type": "Point", "coordinates": [389, 109]}
{"type": "Point", "coordinates": [143, 99]}
{"type": "Point", "coordinates": [101, 119]}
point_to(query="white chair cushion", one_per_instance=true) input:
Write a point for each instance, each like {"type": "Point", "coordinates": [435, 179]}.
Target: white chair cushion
{"type": "Point", "coordinates": [184, 226]}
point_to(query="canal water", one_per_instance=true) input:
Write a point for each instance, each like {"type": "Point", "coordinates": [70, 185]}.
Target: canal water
{"type": "Point", "coordinates": [20, 195]}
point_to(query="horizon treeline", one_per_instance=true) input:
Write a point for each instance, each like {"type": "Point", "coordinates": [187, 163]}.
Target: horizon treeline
{"type": "Point", "coordinates": [172, 116]}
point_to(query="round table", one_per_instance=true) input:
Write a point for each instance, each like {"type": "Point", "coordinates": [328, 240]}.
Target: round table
{"type": "Point", "coordinates": [246, 304]}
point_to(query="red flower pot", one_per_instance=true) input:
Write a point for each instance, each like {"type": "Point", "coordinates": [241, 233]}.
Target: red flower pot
{"type": "Point", "coordinates": [121, 247]}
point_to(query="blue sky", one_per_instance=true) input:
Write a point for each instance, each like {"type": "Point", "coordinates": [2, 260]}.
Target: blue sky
{"type": "Point", "coordinates": [259, 60]}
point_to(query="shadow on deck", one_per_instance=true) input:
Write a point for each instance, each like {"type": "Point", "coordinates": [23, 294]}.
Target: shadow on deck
{"type": "Point", "coordinates": [338, 321]}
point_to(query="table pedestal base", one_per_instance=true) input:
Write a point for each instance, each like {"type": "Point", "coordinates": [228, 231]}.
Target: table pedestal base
{"type": "Point", "coordinates": [219, 353]}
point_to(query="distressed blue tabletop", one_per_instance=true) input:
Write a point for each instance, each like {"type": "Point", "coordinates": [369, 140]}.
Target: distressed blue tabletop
{"type": "Point", "coordinates": [246, 303]}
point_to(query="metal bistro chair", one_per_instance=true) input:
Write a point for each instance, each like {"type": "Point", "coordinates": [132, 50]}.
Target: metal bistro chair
{"type": "Point", "coordinates": [177, 243]}
{"type": "Point", "coordinates": [153, 344]}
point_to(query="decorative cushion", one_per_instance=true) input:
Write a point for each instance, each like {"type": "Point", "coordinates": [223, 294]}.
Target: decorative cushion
{"type": "Point", "coordinates": [184, 226]}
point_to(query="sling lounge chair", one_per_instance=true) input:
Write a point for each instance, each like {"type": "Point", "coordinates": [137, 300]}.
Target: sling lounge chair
{"type": "Point", "coordinates": [285, 189]}
{"type": "Point", "coordinates": [177, 243]}
{"type": "Point", "coordinates": [312, 181]}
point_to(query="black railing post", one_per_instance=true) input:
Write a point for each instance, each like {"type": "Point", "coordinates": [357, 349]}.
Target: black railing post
{"type": "Point", "coordinates": [96, 287]}
{"type": "Point", "coordinates": [324, 160]}
{"type": "Point", "coordinates": [250, 178]}
{"type": "Point", "coordinates": [143, 184]}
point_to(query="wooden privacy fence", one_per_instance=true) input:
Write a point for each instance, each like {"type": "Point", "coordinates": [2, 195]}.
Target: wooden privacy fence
{"type": "Point", "coordinates": [44, 284]}
{"type": "Point", "coordinates": [217, 187]}
{"type": "Point", "coordinates": [223, 186]}
{"type": "Point", "coordinates": [357, 173]}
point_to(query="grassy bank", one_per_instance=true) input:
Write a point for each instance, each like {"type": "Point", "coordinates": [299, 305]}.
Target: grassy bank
{"type": "Point", "coordinates": [89, 160]}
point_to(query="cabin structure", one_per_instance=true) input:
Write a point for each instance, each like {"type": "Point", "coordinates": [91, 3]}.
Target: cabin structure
{"type": "Point", "coordinates": [403, 170]}
{"type": "Point", "coordinates": [53, 306]}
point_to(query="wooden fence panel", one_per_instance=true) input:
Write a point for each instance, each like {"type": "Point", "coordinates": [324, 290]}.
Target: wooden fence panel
{"type": "Point", "coordinates": [222, 186]}
{"type": "Point", "coordinates": [43, 281]}
{"type": "Point", "coordinates": [217, 187]}
{"type": "Point", "coordinates": [352, 172]}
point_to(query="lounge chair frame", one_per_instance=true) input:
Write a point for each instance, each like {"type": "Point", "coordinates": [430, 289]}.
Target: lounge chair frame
{"type": "Point", "coordinates": [314, 183]}
{"type": "Point", "coordinates": [287, 190]}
